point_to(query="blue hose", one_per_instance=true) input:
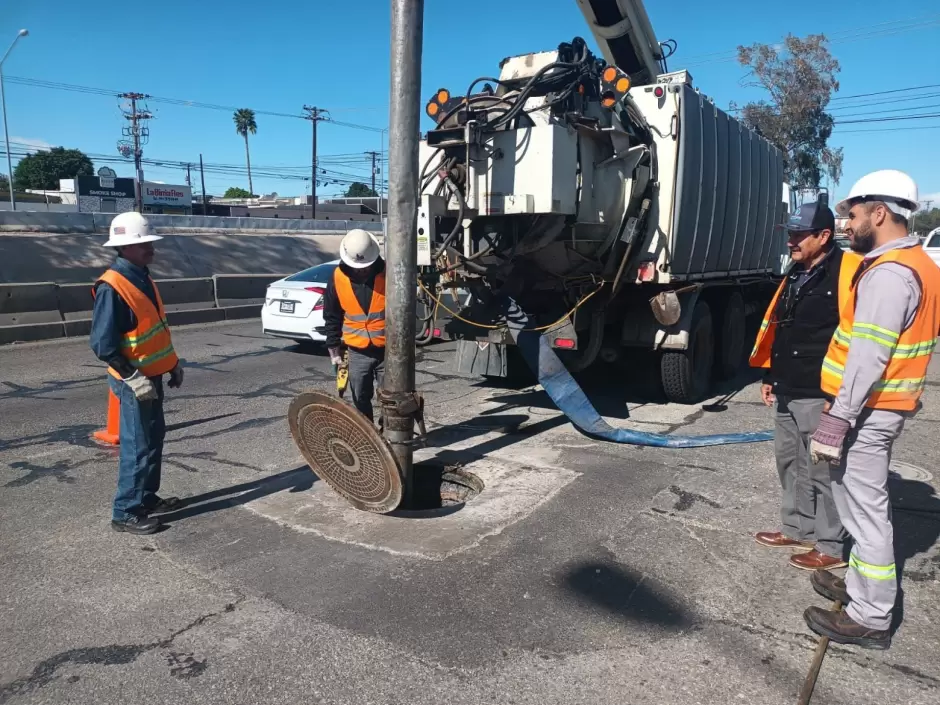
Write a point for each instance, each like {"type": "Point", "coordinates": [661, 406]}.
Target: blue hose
{"type": "Point", "coordinates": [573, 403]}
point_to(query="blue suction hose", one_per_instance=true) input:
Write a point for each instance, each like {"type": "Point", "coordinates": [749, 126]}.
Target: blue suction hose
{"type": "Point", "coordinates": [573, 403]}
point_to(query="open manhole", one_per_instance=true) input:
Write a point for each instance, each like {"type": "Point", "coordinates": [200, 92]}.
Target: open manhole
{"type": "Point", "coordinates": [440, 490]}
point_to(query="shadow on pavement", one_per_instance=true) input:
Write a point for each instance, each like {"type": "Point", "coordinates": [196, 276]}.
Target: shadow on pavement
{"type": "Point", "coordinates": [466, 455]}
{"type": "Point", "coordinates": [625, 594]}
{"type": "Point", "coordinates": [195, 422]}
{"type": "Point", "coordinates": [296, 480]}
{"type": "Point", "coordinates": [916, 519]}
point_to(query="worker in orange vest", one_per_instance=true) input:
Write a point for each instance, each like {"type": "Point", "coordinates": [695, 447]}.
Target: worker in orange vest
{"type": "Point", "coordinates": [790, 348]}
{"type": "Point", "coordinates": [129, 332]}
{"type": "Point", "coordinates": [354, 314]}
{"type": "Point", "coordinates": [874, 373]}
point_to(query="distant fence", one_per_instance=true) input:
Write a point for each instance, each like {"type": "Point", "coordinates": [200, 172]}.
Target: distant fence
{"type": "Point", "coordinates": [79, 223]}
{"type": "Point", "coordinates": [45, 310]}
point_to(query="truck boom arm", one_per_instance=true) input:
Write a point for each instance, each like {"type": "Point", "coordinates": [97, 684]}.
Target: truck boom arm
{"type": "Point", "coordinates": [625, 37]}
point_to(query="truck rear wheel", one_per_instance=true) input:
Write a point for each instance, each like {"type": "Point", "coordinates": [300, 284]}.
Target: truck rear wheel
{"type": "Point", "coordinates": [686, 374]}
{"type": "Point", "coordinates": [731, 341]}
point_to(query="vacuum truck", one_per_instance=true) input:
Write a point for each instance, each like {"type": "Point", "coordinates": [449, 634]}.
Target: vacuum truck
{"type": "Point", "coordinates": [606, 199]}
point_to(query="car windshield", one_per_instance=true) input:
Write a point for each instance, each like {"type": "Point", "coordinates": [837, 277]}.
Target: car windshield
{"type": "Point", "coordinates": [934, 240]}
{"type": "Point", "coordinates": [319, 273]}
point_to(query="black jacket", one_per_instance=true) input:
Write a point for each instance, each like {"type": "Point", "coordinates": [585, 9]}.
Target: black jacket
{"type": "Point", "coordinates": [807, 314]}
{"type": "Point", "coordinates": [332, 310]}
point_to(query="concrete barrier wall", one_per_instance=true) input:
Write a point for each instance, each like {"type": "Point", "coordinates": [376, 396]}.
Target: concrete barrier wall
{"type": "Point", "coordinates": [71, 223]}
{"type": "Point", "coordinates": [40, 311]}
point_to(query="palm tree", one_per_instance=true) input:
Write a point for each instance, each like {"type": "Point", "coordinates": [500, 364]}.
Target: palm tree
{"type": "Point", "coordinates": [244, 123]}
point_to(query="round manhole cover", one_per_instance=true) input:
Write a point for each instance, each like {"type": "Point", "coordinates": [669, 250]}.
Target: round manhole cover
{"type": "Point", "coordinates": [343, 448]}
{"type": "Point", "coordinates": [906, 471]}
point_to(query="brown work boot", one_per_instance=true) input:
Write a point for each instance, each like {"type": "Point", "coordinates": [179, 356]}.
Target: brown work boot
{"type": "Point", "coordinates": [814, 560]}
{"type": "Point", "coordinates": [830, 586]}
{"type": "Point", "coordinates": [776, 539]}
{"type": "Point", "coordinates": [842, 629]}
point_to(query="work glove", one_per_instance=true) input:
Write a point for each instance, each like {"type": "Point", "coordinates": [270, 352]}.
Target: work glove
{"type": "Point", "coordinates": [336, 357]}
{"type": "Point", "coordinates": [176, 376]}
{"type": "Point", "coordinates": [142, 386]}
{"type": "Point", "coordinates": [826, 444]}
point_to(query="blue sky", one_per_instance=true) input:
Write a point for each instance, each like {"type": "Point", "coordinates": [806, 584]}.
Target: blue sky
{"type": "Point", "coordinates": [335, 55]}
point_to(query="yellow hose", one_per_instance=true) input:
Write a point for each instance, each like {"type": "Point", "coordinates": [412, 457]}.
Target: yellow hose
{"type": "Point", "coordinates": [492, 327]}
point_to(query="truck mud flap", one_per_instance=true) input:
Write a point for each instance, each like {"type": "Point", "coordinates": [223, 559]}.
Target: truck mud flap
{"type": "Point", "coordinates": [573, 402]}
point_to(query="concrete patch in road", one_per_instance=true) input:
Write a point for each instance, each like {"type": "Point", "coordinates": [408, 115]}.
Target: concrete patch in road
{"type": "Point", "coordinates": [513, 491]}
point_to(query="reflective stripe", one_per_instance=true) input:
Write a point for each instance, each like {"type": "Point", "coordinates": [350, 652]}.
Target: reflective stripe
{"type": "Point", "coordinates": [915, 350]}
{"type": "Point", "coordinates": [150, 359]}
{"type": "Point", "coordinates": [901, 385]}
{"type": "Point", "coordinates": [873, 572]}
{"type": "Point", "coordinates": [132, 340]}
{"type": "Point", "coordinates": [365, 318]}
{"type": "Point", "coordinates": [833, 366]}
{"type": "Point", "coordinates": [877, 334]}
{"type": "Point", "coordinates": [842, 337]}
{"type": "Point", "coordinates": [377, 333]}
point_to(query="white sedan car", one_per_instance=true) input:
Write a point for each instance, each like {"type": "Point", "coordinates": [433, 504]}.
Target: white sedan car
{"type": "Point", "coordinates": [932, 245]}
{"type": "Point", "coordinates": [293, 306]}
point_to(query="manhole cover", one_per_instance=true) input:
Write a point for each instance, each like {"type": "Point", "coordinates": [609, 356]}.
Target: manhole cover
{"type": "Point", "coordinates": [343, 448]}
{"type": "Point", "coordinates": [906, 471]}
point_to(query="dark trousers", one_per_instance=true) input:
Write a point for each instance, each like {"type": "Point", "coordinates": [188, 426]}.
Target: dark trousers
{"type": "Point", "coordinates": [141, 451]}
{"type": "Point", "coordinates": [807, 511]}
{"type": "Point", "coordinates": [366, 369]}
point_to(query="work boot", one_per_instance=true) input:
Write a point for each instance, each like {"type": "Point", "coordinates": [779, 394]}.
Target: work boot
{"type": "Point", "coordinates": [830, 586]}
{"type": "Point", "coordinates": [776, 539]}
{"type": "Point", "coordinates": [814, 560]}
{"type": "Point", "coordinates": [164, 505]}
{"type": "Point", "coordinates": [139, 525]}
{"type": "Point", "coordinates": [842, 629]}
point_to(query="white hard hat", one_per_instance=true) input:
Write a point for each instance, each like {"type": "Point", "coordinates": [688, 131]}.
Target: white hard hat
{"type": "Point", "coordinates": [130, 229]}
{"type": "Point", "coordinates": [359, 249]}
{"type": "Point", "coordinates": [895, 188]}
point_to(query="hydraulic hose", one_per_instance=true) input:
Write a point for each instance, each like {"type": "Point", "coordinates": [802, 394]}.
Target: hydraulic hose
{"type": "Point", "coordinates": [573, 402]}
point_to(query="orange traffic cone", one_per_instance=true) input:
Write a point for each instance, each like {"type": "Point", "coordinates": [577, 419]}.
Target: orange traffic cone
{"type": "Point", "coordinates": [110, 435]}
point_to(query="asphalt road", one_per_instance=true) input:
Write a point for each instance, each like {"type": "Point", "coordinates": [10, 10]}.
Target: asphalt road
{"type": "Point", "coordinates": [584, 572]}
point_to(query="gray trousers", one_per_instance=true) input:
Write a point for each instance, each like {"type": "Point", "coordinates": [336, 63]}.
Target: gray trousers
{"type": "Point", "coordinates": [366, 369]}
{"type": "Point", "coordinates": [860, 490]}
{"type": "Point", "coordinates": [807, 510]}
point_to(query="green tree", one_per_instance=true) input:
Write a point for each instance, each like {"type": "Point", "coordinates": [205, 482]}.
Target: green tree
{"type": "Point", "coordinates": [244, 124]}
{"type": "Point", "coordinates": [236, 192]}
{"type": "Point", "coordinates": [799, 78]}
{"type": "Point", "coordinates": [359, 190]}
{"type": "Point", "coordinates": [43, 170]}
{"type": "Point", "coordinates": [4, 183]}
{"type": "Point", "coordinates": [925, 221]}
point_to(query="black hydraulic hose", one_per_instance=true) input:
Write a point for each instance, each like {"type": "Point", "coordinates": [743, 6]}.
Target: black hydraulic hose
{"type": "Point", "coordinates": [460, 203]}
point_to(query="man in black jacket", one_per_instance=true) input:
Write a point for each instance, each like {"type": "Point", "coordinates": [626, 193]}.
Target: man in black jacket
{"type": "Point", "coordinates": [354, 315]}
{"type": "Point", "coordinates": [791, 346]}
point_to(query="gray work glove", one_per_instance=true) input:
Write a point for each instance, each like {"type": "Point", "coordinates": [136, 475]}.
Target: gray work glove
{"type": "Point", "coordinates": [176, 376]}
{"type": "Point", "coordinates": [142, 386]}
{"type": "Point", "coordinates": [826, 444]}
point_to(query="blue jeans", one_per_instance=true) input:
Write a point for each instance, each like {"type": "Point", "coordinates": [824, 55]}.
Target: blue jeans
{"type": "Point", "coordinates": [141, 436]}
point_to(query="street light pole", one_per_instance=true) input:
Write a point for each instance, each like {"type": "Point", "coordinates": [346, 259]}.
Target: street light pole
{"type": "Point", "coordinates": [6, 131]}
{"type": "Point", "coordinates": [401, 242]}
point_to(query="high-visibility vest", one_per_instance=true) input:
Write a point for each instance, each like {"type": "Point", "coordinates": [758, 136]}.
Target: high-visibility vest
{"type": "Point", "coordinates": [905, 375]}
{"type": "Point", "coordinates": [361, 328]}
{"type": "Point", "coordinates": [760, 355]}
{"type": "Point", "coordinates": [148, 346]}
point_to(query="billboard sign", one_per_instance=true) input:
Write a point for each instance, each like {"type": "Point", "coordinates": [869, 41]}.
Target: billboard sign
{"type": "Point", "coordinates": [166, 195]}
{"type": "Point", "coordinates": [105, 187]}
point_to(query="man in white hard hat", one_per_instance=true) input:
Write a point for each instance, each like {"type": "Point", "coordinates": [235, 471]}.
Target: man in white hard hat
{"type": "Point", "coordinates": [129, 332]}
{"type": "Point", "coordinates": [874, 373]}
{"type": "Point", "coordinates": [354, 314]}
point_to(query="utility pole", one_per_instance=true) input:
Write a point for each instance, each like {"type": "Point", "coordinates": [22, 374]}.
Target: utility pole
{"type": "Point", "coordinates": [373, 155]}
{"type": "Point", "coordinates": [401, 243]}
{"type": "Point", "coordinates": [202, 176]}
{"type": "Point", "coordinates": [140, 135]}
{"type": "Point", "coordinates": [314, 115]}
{"type": "Point", "coordinates": [188, 175]}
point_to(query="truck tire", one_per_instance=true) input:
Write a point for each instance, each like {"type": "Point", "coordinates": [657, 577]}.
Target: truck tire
{"type": "Point", "coordinates": [732, 339]}
{"type": "Point", "coordinates": [686, 374]}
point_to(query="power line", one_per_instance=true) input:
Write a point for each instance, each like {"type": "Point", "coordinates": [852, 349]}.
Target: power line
{"type": "Point", "coordinates": [889, 129]}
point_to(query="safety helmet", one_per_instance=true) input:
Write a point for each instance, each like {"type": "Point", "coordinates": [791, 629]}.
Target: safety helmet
{"type": "Point", "coordinates": [130, 229]}
{"type": "Point", "coordinates": [895, 188]}
{"type": "Point", "coordinates": [359, 249]}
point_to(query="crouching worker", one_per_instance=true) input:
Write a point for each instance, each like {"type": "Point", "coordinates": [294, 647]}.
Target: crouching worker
{"type": "Point", "coordinates": [129, 332]}
{"type": "Point", "coordinates": [354, 313]}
